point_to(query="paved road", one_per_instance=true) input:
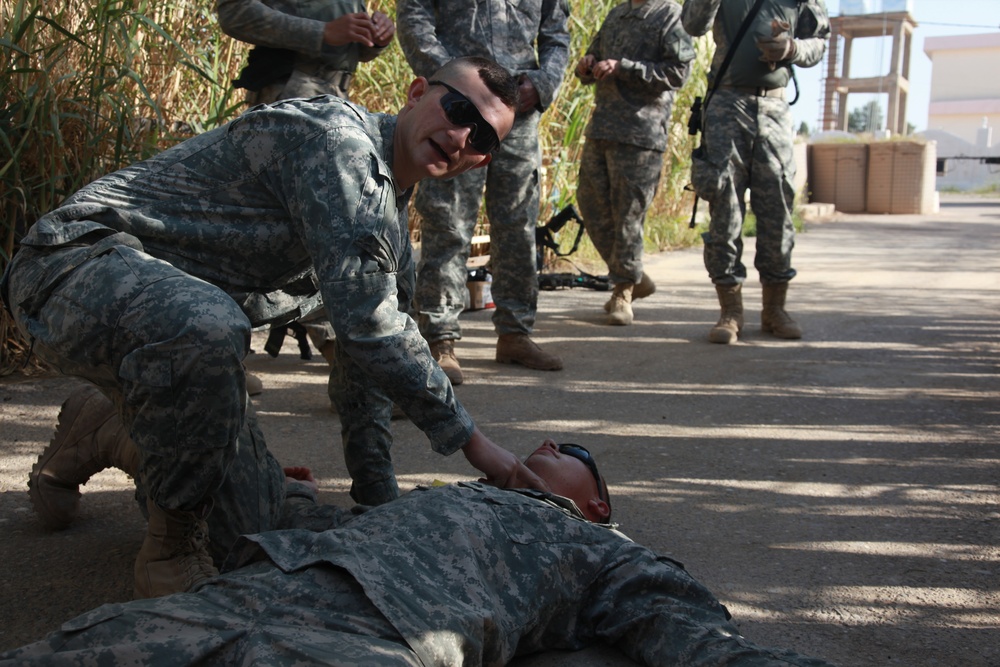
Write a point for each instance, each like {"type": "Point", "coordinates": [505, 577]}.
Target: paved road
{"type": "Point", "coordinates": [839, 493]}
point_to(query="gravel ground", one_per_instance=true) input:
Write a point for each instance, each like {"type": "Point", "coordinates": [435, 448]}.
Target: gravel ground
{"type": "Point", "coordinates": [838, 493]}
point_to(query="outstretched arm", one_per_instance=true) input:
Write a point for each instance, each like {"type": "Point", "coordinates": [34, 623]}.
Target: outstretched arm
{"type": "Point", "coordinates": [651, 609]}
{"type": "Point", "coordinates": [501, 467]}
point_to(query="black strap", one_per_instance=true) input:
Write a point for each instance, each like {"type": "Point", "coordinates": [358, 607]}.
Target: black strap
{"type": "Point", "coordinates": [265, 65]}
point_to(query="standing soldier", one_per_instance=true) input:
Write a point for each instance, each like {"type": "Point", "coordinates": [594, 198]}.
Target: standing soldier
{"type": "Point", "coordinates": [303, 49]}
{"type": "Point", "coordinates": [640, 56]}
{"type": "Point", "coordinates": [747, 144]}
{"type": "Point", "coordinates": [530, 39]}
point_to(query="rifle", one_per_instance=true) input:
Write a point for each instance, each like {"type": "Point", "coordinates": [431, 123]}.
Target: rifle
{"type": "Point", "coordinates": [545, 234]}
{"type": "Point", "coordinates": [551, 281]}
{"type": "Point", "coordinates": [545, 238]}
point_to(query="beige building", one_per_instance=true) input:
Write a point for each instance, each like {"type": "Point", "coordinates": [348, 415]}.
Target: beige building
{"type": "Point", "coordinates": [965, 88]}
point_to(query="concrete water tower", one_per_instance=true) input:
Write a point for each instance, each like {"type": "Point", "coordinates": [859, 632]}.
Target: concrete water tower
{"type": "Point", "coordinates": [858, 19]}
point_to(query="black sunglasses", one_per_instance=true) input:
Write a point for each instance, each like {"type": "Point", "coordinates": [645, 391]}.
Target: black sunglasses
{"type": "Point", "coordinates": [460, 111]}
{"type": "Point", "coordinates": [578, 452]}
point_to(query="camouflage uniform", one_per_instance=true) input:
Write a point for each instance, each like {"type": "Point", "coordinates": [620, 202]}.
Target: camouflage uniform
{"type": "Point", "coordinates": [462, 574]}
{"type": "Point", "coordinates": [628, 132]}
{"type": "Point", "coordinates": [317, 68]}
{"type": "Point", "coordinates": [530, 39]}
{"type": "Point", "coordinates": [747, 134]}
{"type": "Point", "coordinates": [148, 281]}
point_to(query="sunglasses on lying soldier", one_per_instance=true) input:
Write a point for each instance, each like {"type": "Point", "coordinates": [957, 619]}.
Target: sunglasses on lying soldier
{"type": "Point", "coordinates": [581, 453]}
{"type": "Point", "coordinates": [460, 111]}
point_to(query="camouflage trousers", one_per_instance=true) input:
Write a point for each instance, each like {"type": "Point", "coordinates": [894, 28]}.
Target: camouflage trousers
{"type": "Point", "coordinates": [256, 615]}
{"type": "Point", "coordinates": [448, 211]}
{"type": "Point", "coordinates": [167, 348]}
{"type": "Point", "coordinates": [748, 144]}
{"type": "Point", "coordinates": [616, 185]}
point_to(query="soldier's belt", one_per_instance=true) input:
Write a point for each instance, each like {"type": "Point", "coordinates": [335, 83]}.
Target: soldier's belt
{"type": "Point", "coordinates": [336, 77]}
{"type": "Point", "coordinates": [759, 92]}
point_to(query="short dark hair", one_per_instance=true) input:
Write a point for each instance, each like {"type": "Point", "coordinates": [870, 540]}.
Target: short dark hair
{"type": "Point", "coordinates": [500, 82]}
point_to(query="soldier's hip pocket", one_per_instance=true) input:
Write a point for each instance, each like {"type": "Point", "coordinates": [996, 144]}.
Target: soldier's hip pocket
{"type": "Point", "coordinates": [707, 177]}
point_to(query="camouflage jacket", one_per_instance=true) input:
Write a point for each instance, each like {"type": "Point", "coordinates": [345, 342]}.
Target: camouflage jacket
{"type": "Point", "coordinates": [473, 575]}
{"type": "Point", "coordinates": [654, 54]}
{"type": "Point", "coordinates": [528, 37]}
{"type": "Point", "coordinates": [286, 202]}
{"type": "Point", "coordinates": [809, 23]}
{"type": "Point", "coordinates": [296, 25]}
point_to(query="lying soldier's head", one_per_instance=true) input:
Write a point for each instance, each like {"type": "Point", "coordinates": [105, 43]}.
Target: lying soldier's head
{"type": "Point", "coordinates": [571, 472]}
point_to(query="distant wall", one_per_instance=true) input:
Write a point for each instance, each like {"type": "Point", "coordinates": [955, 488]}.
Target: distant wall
{"type": "Point", "coordinates": [963, 96]}
{"type": "Point", "coordinates": [966, 173]}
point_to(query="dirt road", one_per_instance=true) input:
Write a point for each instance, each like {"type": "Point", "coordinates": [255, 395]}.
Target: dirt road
{"type": "Point", "coordinates": [839, 493]}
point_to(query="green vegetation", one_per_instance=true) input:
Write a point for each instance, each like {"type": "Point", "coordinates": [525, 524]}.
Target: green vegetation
{"type": "Point", "coordinates": [750, 224]}
{"type": "Point", "coordinates": [867, 118]}
{"type": "Point", "coordinates": [989, 190]}
{"type": "Point", "coordinates": [86, 88]}
{"type": "Point", "coordinates": [89, 87]}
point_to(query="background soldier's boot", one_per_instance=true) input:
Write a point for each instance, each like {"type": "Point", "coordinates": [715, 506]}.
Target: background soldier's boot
{"type": "Point", "coordinates": [89, 438]}
{"type": "Point", "coordinates": [443, 352]}
{"type": "Point", "coordinates": [620, 312]}
{"type": "Point", "coordinates": [730, 323]}
{"type": "Point", "coordinates": [174, 556]}
{"type": "Point", "coordinates": [773, 318]}
{"type": "Point", "coordinates": [640, 290]}
{"type": "Point", "coordinates": [518, 348]}
{"type": "Point", "coordinates": [643, 288]}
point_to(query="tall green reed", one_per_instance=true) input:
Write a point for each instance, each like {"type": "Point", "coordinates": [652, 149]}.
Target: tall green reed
{"type": "Point", "coordinates": [86, 88]}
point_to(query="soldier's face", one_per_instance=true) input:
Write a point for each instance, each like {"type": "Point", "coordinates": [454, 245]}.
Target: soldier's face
{"type": "Point", "coordinates": [566, 475]}
{"type": "Point", "coordinates": [439, 135]}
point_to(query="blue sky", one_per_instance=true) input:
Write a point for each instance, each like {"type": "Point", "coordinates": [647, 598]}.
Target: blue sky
{"type": "Point", "coordinates": [872, 54]}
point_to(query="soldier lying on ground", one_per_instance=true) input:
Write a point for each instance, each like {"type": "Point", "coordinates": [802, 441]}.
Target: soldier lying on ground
{"type": "Point", "coordinates": [450, 575]}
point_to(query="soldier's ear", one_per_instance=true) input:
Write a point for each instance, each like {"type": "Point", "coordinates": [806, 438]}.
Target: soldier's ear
{"type": "Point", "coordinates": [600, 509]}
{"type": "Point", "coordinates": [418, 87]}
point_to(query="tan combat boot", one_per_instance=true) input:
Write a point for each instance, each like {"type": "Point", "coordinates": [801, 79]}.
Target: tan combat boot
{"type": "Point", "coordinates": [89, 438]}
{"type": "Point", "coordinates": [643, 288]}
{"type": "Point", "coordinates": [174, 556]}
{"type": "Point", "coordinates": [727, 329]}
{"type": "Point", "coordinates": [518, 348]}
{"type": "Point", "coordinates": [443, 352]}
{"type": "Point", "coordinates": [640, 290]}
{"type": "Point", "coordinates": [620, 312]}
{"type": "Point", "coordinates": [773, 318]}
